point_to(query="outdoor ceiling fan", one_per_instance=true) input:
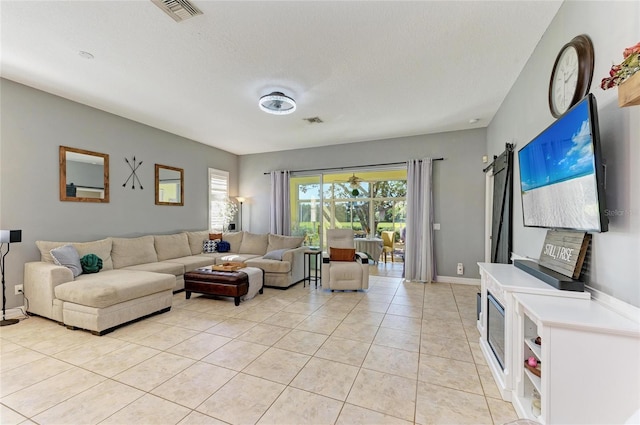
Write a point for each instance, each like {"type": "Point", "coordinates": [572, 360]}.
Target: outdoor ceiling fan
{"type": "Point", "coordinates": [353, 182]}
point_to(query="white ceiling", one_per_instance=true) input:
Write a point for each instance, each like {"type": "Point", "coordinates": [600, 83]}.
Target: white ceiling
{"type": "Point", "coordinates": [369, 70]}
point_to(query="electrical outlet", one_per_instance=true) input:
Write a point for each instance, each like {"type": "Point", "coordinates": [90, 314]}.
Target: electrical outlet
{"type": "Point", "coordinates": [460, 268]}
{"type": "Point", "coordinates": [18, 289]}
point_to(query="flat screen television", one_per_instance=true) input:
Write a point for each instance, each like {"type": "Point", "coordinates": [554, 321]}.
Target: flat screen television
{"type": "Point", "coordinates": [561, 175]}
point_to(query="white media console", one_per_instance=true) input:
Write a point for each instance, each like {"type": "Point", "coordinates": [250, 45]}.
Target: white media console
{"type": "Point", "coordinates": [589, 355]}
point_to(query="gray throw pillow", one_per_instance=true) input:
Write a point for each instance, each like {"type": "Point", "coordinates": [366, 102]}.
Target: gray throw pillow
{"type": "Point", "coordinates": [275, 255]}
{"type": "Point", "coordinates": [68, 257]}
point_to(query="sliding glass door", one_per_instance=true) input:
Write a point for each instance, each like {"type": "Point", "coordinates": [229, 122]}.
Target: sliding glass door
{"type": "Point", "coordinates": [368, 202]}
{"type": "Point", "coordinates": [306, 208]}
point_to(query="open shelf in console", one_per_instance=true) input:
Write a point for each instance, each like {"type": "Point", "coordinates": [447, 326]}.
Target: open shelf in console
{"type": "Point", "coordinates": [529, 384]}
{"type": "Point", "coordinates": [587, 354]}
{"type": "Point", "coordinates": [533, 347]}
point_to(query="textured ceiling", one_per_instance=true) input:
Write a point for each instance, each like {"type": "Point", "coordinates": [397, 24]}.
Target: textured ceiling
{"type": "Point", "coordinates": [369, 70]}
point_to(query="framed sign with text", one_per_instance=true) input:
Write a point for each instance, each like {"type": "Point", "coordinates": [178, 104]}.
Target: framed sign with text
{"type": "Point", "coordinates": [564, 252]}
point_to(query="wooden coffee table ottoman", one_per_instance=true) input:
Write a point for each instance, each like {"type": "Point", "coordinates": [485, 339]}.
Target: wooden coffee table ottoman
{"type": "Point", "coordinates": [213, 282]}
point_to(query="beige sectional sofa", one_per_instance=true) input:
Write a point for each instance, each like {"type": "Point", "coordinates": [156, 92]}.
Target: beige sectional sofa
{"type": "Point", "coordinates": [251, 249]}
{"type": "Point", "coordinates": [139, 275]}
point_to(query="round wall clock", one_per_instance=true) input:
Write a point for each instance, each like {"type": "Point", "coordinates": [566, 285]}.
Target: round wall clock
{"type": "Point", "coordinates": [571, 75]}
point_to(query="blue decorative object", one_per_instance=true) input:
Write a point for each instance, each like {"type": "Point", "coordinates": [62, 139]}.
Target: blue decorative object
{"type": "Point", "coordinates": [224, 246]}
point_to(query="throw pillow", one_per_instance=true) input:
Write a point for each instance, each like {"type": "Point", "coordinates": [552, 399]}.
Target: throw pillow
{"type": "Point", "coordinates": [275, 254]}
{"type": "Point", "coordinates": [224, 246]}
{"type": "Point", "coordinates": [214, 236]}
{"type": "Point", "coordinates": [91, 263]}
{"type": "Point", "coordinates": [342, 254]}
{"type": "Point", "coordinates": [281, 242]}
{"type": "Point", "coordinates": [210, 246]}
{"type": "Point", "coordinates": [68, 257]}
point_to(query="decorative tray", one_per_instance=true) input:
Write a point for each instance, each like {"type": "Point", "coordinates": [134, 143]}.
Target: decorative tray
{"type": "Point", "coordinates": [229, 267]}
{"type": "Point", "coordinates": [535, 370]}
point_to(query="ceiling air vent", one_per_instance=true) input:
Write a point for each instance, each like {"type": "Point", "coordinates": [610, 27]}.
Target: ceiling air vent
{"type": "Point", "coordinates": [179, 10]}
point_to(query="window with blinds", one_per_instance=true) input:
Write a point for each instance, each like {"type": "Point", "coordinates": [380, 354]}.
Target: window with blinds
{"type": "Point", "coordinates": [218, 195]}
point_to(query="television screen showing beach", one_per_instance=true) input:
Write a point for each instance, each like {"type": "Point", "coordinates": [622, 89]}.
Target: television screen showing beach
{"type": "Point", "coordinates": [557, 175]}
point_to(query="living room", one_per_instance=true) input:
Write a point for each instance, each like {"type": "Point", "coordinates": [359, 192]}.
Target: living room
{"type": "Point", "coordinates": [35, 123]}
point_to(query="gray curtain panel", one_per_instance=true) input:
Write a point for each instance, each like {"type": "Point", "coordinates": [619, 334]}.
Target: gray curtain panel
{"type": "Point", "coordinates": [420, 258]}
{"type": "Point", "coordinates": [280, 215]}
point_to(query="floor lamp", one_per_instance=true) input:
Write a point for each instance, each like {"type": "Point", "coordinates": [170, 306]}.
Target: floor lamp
{"type": "Point", "coordinates": [7, 236]}
{"type": "Point", "coordinates": [241, 200]}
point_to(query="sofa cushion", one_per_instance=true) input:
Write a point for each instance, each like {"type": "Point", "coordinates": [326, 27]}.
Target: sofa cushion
{"type": "Point", "coordinates": [212, 256]}
{"type": "Point", "coordinates": [270, 266]}
{"type": "Point", "coordinates": [167, 267]}
{"type": "Point", "coordinates": [171, 246]}
{"type": "Point", "coordinates": [196, 239]}
{"type": "Point", "coordinates": [235, 239]}
{"type": "Point", "coordinates": [193, 262]}
{"type": "Point", "coordinates": [283, 242]}
{"type": "Point", "coordinates": [131, 251]}
{"type": "Point", "coordinates": [101, 248]}
{"type": "Point", "coordinates": [253, 243]}
{"type": "Point", "coordinates": [234, 258]}
{"type": "Point", "coordinates": [113, 287]}
{"type": "Point", "coordinates": [68, 257]}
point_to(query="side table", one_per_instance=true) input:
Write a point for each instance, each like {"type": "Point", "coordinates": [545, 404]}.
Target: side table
{"type": "Point", "coordinates": [307, 268]}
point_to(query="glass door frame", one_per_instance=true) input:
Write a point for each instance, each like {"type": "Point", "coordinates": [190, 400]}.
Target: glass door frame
{"type": "Point", "coordinates": [321, 224]}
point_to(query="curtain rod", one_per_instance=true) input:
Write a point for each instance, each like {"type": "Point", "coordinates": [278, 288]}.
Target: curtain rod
{"type": "Point", "coordinates": [353, 166]}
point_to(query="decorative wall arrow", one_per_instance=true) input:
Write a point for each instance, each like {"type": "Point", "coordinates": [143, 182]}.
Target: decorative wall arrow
{"type": "Point", "coordinates": [133, 176]}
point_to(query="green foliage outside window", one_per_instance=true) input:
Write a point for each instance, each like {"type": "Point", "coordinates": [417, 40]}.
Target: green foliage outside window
{"type": "Point", "coordinates": [368, 207]}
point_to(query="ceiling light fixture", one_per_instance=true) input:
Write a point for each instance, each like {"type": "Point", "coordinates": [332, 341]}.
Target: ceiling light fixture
{"type": "Point", "coordinates": [277, 103]}
{"type": "Point", "coordinates": [474, 120]}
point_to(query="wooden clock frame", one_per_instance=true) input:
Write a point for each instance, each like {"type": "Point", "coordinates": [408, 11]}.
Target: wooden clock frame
{"type": "Point", "coordinates": [584, 47]}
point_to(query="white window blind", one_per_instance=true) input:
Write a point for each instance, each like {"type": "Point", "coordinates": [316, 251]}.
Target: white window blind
{"type": "Point", "coordinates": [218, 194]}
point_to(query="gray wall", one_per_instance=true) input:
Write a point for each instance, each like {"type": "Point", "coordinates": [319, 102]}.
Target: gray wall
{"type": "Point", "coordinates": [615, 257]}
{"type": "Point", "coordinates": [458, 186]}
{"type": "Point", "coordinates": [35, 124]}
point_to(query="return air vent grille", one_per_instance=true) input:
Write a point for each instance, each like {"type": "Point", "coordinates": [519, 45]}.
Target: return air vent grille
{"type": "Point", "coordinates": [179, 10]}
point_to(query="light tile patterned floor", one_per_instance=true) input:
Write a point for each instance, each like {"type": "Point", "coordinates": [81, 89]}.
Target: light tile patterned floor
{"type": "Point", "coordinates": [400, 353]}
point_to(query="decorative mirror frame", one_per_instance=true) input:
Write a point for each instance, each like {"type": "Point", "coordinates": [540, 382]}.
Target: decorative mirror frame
{"type": "Point", "coordinates": [157, 185]}
{"type": "Point", "coordinates": [63, 175]}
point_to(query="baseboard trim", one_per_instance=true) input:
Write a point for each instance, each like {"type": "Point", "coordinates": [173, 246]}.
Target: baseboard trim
{"type": "Point", "coordinates": [458, 280]}
{"type": "Point", "coordinates": [15, 312]}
